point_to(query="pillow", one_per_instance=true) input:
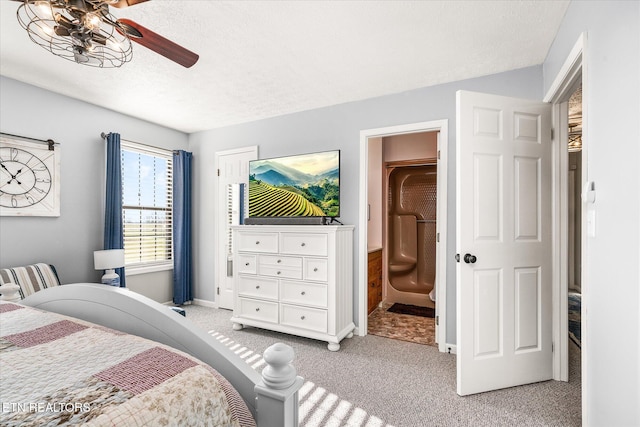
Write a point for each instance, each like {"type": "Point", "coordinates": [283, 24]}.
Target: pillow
{"type": "Point", "coordinates": [30, 278]}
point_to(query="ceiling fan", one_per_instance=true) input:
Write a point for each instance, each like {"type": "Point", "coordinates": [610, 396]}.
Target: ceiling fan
{"type": "Point", "coordinates": [86, 32]}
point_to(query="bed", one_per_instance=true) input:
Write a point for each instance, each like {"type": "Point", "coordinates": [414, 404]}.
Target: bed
{"type": "Point", "coordinates": [97, 355]}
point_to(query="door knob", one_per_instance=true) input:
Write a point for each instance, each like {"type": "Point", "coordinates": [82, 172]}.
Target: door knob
{"type": "Point", "coordinates": [470, 259]}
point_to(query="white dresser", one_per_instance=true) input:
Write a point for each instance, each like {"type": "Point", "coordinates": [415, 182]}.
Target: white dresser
{"type": "Point", "coordinates": [295, 279]}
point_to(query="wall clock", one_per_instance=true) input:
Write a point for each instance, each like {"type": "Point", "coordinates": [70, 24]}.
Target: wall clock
{"type": "Point", "coordinates": [29, 178]}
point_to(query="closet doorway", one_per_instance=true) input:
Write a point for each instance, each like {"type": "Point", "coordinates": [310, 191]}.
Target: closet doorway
{"type": "Point", "coordinates": [402, 291]}
{"type": "Point", "coordinates": [574, 216]}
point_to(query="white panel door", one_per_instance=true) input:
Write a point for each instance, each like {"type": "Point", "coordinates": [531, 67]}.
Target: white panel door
{"type": "Point", "coordinates": [504, 242]}
{"type": "Point", "coordinates": [233, 168]}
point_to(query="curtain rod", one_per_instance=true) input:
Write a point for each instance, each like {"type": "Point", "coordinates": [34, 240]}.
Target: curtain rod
{"type": "Point", "coordinates": [105, 135]}
{"type": "Point", "coordinates": [50, 142]}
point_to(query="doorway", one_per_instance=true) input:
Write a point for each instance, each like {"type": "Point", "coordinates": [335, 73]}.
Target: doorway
{"type": "Point", "coordinates": [570, 77]}
{"type": "Point", "coordinates": [405, 305]}
{"type": "Point", "coordinates": [574, 216]}
{"type": "Point", "coordinates": [232, 168]}
{"type": "Point", "coordinates": [391, 157]}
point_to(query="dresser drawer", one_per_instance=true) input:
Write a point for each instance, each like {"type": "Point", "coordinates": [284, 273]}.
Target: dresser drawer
{"type": "Point", "coordinates": [280, 266]}
{"type": "Point", "coordinates": [257, 242]}
{"type": "Point", "coordinates": [315, 269]}
{"type": "Point", "coordinates": [258, 287]}
{"type": "Point", "coordinates": [303, 293]}
{"type": "Point", "coordinates": [259, 310]}
{"type": "Point", "coordinates": [281, 272]}
{"type": "Point", "coordinates": [313, 319]}
{"type": "Point", "coordinates": [246, 264]}
{"type": "Point", "coordinates": [280, 261]}
{"type": "Point", "coordinates": [304, 244]}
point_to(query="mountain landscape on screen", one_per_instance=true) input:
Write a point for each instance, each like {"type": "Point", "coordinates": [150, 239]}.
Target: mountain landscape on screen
{"type": "Point", "coordinates": [304, 185]}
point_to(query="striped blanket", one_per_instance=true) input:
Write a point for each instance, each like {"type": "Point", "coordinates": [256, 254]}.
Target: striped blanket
{"type": "Point", "coordinates": [57, 370]}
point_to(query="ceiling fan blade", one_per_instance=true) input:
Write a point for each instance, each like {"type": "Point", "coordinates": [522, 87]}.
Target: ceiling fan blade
{"type": "Point", "coordinates": [157, 43]}
{"type": "Point", "coordinates": [120, 4]}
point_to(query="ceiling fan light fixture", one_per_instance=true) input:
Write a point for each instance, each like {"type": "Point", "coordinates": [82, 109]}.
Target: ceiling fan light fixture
{"type": "Point", "coordinates": [75, 32]}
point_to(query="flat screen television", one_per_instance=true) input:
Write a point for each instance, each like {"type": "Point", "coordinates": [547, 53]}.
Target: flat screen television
{"type": "Point", "coordinates": [305, 185]}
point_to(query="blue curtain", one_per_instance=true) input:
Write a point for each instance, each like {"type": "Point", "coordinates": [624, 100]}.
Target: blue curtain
{"type": "Point", "coordinates": [182, 259]}
{"type": "Point", "coordinates": [113, 227]}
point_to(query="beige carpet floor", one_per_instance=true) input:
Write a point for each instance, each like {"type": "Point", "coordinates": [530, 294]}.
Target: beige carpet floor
{"type": "Point", "coordinates": [376, 381]}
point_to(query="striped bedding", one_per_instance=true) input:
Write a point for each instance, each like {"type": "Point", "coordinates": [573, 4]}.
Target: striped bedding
{"type": "Point", "coordinates": [57, 370]}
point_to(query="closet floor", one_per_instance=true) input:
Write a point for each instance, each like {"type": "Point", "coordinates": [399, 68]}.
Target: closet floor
{"type": "Point", "coordinates": [417, 329]}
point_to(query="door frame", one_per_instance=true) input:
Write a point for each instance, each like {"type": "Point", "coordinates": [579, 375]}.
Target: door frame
{"type": "Point", "coordinates": [440, 126]}
{"type": "Point", "coordinates": [569, 76]}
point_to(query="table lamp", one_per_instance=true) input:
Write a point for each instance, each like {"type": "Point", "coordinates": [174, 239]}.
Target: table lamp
{"type": "Point", "coordinates": [109, 260]}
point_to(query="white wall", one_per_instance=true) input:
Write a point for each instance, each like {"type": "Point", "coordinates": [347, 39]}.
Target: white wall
{"type": "Point", "coordinates": [68, 241]}
{"type": "Point", "coordinates": [157, 285]}
{"type": "Point", "coordinates": [339, 127]}
{"type": "Point", "coordinates": [612, 139]}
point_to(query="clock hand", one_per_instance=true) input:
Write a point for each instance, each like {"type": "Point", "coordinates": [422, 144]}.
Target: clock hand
{"type": "Point", "coordinates": [5, 168]}
{"type": "Point", "coordinates": [18, 173]}
{"type": "Point", "coordinates": [12, 175]}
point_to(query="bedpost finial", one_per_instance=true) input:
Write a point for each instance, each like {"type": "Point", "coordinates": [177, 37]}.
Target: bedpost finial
{"type": "Point", "coordinates": [279, 372]}
{"type": "Point", "coordinates": [10, 292]}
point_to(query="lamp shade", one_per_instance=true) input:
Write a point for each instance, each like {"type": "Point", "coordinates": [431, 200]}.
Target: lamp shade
{"type": "Point", "coordinates": [108, 259]}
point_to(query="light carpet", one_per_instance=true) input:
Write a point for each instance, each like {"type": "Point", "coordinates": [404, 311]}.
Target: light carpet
{"type": "Point", "coordinates": [376, 381]}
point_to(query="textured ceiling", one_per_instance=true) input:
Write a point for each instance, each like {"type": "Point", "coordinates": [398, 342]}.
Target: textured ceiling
{"type": "Point", "coordinates": [267, 58]}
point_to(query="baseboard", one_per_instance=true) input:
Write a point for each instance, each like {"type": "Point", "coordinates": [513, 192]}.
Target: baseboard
{"type": "Point", "coordinates": [172, 303]}
{"type": "Point", "coordinates": [205, 303]}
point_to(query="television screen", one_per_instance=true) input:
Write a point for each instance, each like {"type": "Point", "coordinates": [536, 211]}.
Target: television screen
{"type": "Point", "coordinates": [294, 186]}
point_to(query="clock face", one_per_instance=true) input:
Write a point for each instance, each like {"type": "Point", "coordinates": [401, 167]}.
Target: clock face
{"type": "Point", "coordinates": [25, 178]}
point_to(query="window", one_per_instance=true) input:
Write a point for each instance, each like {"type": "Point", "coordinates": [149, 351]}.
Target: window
{"type": "Point", "coordinates": [147, 205]}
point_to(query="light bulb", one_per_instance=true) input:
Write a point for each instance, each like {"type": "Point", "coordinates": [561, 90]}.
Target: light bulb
{"type": "Point", "coordinates": [51, 32]}
{"type": "Point", "coordinates": [44, 9]}
{"type": "Point", "coordinates": [92, 21]}
{"type": "Point", "coordinates": [114, 44]}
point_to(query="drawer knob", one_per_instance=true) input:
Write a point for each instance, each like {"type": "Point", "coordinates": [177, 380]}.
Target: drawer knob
{"type": "Point", "coordinates": [257, 242]}
{"type": "Point", "coordinates": [247, 264]}
{"type": "Point", "coordinates": [258, 309]}
{"type": "Point", "coordinates": [302, 293]}
{"type": "Point", "coordinates": [279, 261]}
{"type": "Point", "coordinates": [315, 269]}
{"type": "Point", "coordinates": [301, 317]}
{"type": "Point", "coordinates": [257, 286]}
{"type": "Point", "coordinates": [303, 244]}
{"type": "Point", "coordinates": [278, 272]}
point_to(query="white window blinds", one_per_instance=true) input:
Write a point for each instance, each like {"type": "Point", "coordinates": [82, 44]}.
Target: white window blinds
{"type": "Point", "coordinates": [147, 204]}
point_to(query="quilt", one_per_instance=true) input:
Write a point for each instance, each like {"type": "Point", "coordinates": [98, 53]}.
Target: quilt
{"type": "Point", "coordinates": [57, 370]}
